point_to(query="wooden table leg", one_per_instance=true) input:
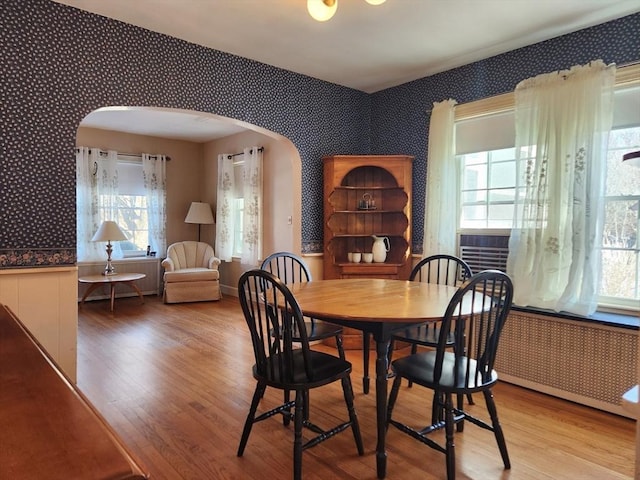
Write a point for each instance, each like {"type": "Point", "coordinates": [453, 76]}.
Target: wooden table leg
{"type": "Point", "coordinates": [382, 348]}
{"type": "Point", "coordinates": [365, 362]}
{"type": "Point", "coordinates": [113, 293]}
{"type": "Point", "coordinates": [89, 291]}
{"type": "Point", "coordinates": [135, 287]}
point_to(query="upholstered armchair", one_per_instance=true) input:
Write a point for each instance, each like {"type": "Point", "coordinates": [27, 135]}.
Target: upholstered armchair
{"type": "Point", "coordinates": [191, 273]}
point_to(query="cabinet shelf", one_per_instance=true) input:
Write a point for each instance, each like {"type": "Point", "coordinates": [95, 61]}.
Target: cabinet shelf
{"type": "Point", "coordinates": [363, 188]}
{"type": "Point", "coordinates": [366, 235]}
{"type": "Point", "coordinates": [365, 211]}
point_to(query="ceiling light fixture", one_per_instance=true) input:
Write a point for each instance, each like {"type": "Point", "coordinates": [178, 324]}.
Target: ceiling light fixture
{"type": "Point", "coordinates": [323, 10]}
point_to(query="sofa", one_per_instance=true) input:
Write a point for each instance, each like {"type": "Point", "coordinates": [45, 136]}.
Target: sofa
{"type": "Point", "coordinates": [191, 273]}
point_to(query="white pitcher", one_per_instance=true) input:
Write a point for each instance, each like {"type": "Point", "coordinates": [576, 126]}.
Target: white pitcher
{"type": "Point", "coordinates": [380, 248]}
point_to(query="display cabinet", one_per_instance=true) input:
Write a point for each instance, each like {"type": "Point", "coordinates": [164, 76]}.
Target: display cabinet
{"type": "Point", "coordinates": [367, 196]}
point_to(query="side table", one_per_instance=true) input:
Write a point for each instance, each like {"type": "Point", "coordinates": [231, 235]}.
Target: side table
{"type": "Point", "coordinates": [96, 281]}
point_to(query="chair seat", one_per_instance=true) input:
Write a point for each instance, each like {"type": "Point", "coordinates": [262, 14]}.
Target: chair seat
{"type": "Point", "coordinates": [197, 274]}
{"type": "Point", "coordinates": [419, 368]}
{"type": "Point", "coordinates": [326, 369]}
{"type": "Point", "coordinates": [316, 330]}
{"type": "Point", "coordinates": [421, 335]}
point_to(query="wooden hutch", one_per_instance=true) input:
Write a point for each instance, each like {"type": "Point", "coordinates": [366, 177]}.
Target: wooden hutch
{"type": "Point", "coordinates": [366, 195]}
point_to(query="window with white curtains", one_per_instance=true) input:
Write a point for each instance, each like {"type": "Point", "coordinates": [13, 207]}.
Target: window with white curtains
{"type": "Point", "coordinates": [239, 206]}
{"type": "Point", "coordinates": [491, 180]}
{"type": "Point", "coordinates": [128, 189]}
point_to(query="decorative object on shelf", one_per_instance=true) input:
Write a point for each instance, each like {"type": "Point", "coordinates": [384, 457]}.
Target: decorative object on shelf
{"type": "Point", "coordinates": [367, 202]}
{"type": "Point", "coordinates": [323, 10]}
{"type": "Point", "coordinates": [367, 257]}
{"type": "Point", "coordinates": [109, 231]}
{"type": "Point", "coordinates": [199, 213]}
{"type": "Point", "coordinates": [380, 248]}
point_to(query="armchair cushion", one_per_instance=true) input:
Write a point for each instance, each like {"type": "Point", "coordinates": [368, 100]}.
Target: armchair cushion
{"type": "Point", "coordinates": [191, 273]}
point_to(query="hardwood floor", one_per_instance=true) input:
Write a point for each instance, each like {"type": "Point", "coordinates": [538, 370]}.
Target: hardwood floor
{"type": "Point", "coordinates": [175, 382]}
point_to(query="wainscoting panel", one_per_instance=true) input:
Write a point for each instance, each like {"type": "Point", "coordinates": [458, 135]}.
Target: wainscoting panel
{"type": "Point", "coordinates": [150, 285]}
{"type": "Point", "coordinates": [584, 362]}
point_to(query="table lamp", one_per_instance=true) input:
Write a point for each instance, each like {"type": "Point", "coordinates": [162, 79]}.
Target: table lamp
{"type": "Point", "coordinates": [199, 213]}
{"type": "Point", "coordinates": [109, 231]}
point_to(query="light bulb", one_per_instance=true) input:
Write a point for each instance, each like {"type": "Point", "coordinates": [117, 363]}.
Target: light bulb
{"type": "Point", "coordinates": [322, 10]}
{"type": "Point", "coordinates": [375, 2]}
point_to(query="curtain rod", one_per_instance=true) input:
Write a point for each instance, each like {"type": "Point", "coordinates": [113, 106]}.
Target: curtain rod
{"type": "Point", "coordinates": [135, 155]}
{"type": "Point", "coordinates": [231, 155]}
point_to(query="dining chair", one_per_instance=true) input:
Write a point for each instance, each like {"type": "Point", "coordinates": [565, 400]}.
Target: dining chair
{"type": "Point", "coordinates": [268, 304]}
{"type": "Point", "coordinates": [466, 369]}
{"type": "Point", "coordinates": [290, 268]}
{"type": "Point", "coordinates": [441, 269]}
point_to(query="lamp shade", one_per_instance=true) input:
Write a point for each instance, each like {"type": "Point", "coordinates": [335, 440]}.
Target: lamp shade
{"type": "Point", "coordinates": [199, 212]}
{"type": "Point", "coordinates": [109, 231]}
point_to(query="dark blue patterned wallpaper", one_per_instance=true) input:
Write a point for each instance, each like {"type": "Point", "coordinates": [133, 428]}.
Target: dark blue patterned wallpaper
{"type": "Point", "coordinates": [60, 63]}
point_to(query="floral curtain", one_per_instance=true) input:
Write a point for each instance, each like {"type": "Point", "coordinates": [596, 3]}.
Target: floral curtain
{"type": "Point", "coordinates": [563, 121]}
{"type": "Point", "coordinates": [440, 221]}
{"type": "Point", "coordinates": [225, 218]}
{"type": "Point", "coordinates": [252, 217]}
{"type": "Point", "coordinates": [248, 187]}
{"type": "Point", "coordinates": [96, 194]}
{"type": "Point", "coordinates": [154, 169]}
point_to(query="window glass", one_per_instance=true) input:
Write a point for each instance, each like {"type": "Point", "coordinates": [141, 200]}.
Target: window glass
{"type": "Point", "coordinates": [620, 248]}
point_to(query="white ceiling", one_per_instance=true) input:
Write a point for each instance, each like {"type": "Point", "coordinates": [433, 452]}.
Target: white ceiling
{"type": "Point", "coordinates": [364, 47]}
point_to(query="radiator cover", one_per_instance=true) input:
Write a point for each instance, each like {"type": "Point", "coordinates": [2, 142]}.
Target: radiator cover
{"type": "Point", "coordinates": [580, 361]}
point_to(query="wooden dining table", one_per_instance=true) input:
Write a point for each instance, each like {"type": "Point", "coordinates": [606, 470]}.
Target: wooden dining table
{"type": "Point", "coordinates": [378, 307]}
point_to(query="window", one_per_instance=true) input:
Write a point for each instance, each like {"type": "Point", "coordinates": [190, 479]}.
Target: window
{"type": "Point", "coordinates": [131, 205]}
{"type": "Point", "coordinates": [112, 187]}
{"type": "Point", "coordinates": [620, 246]}
{"type": "Point", "coordinates": [239, 206]}
{"type": "Point", "coordinates": [489, 178]}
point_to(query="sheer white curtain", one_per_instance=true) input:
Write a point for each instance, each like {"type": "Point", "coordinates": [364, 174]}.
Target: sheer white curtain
{"type": "Point", "coordinates": [96, 194]}
{"type": "Point", "coordinates": [154, 168]}
{"type": "Point", "coordinates": [252, 217]}
{"type": "Point", "coordinates": [440, 221]}
{"type": "Point", "coordinates": [247, 186]}
{"type": "Point", "coordinates": [225, 205]}
{"type": "Point", "coordinates": [563, 121]}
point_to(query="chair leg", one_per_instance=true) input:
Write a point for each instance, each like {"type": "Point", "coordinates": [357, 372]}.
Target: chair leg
{"type": "Point", "coordinates": [340, 347]}
{"type": "Point", "coordinates": [414, 350]}
{"type": "Point", "coordinates": [393, 396]}
{"type": "Point", "coordinates": [497, 428]}
{"type": "Point", "coordinates": [297, 435]}
{"type": "Point", "coordinates": [450, 444]}
{"type": "Point", "coordinates": [365, 362]}
{"type": "Point", "coordinates": [460, 424]}
{"type": "Point", "coordinates": [286, 418]}
{"type": "Point", "coordinates": [248, 424]}
{"type": "Point", "coordinates": [353, 417]}
{"type": "Point", "coordinates": [307, 402]}
{"type": "Point", "coordinates": [438, 407]}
